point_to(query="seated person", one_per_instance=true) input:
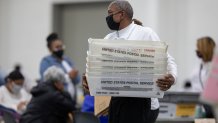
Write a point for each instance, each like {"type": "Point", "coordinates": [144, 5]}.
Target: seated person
{"type": "Point", "coordinates": [50, 103]}
{"type": "Point", "coordinates": [12, 94]}
{"type": "Point", "coordinates": [28, 83]}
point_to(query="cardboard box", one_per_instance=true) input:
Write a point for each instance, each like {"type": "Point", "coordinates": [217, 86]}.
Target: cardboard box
{"type": "Point", "coordinates": [101, 105]}
{"type": "Point", "coordinates": [205, 121]}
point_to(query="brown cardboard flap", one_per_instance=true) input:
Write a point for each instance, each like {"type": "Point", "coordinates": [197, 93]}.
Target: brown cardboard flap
{"type": "Point", "coordinates": [101, 105]}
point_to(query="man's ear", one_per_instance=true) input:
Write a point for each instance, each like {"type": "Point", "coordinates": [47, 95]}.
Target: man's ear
{"type": "Point", "coordinates": [123, 14]}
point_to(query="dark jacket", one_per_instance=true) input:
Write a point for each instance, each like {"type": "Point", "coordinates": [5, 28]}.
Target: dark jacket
{"type": "Point", "coordinates": [48, 105]}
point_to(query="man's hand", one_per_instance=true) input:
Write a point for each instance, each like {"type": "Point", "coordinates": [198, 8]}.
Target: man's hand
{"type": "Point", "coordinates": [85, 84]}
{"type": "Point", "coordinates": [73, 74]}
{"type": "Point", "coordinates": [70, 116]}
{"type": "Point", "coordinates": [21, 105]}
{"type": "Point", "coordinates": [166, 82]}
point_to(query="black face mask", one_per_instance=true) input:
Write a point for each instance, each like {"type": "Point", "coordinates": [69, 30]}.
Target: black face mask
{"type": "Point", "coordinates": [199, 54]}
{"type": "Point", "coordinates": [111, 23]}
{"type": "Point", "coordinates": [59, 53]}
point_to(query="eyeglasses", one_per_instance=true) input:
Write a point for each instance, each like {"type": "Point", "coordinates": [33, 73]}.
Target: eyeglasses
{"type": "Point", "coordinates": [112, 13]}
{"type": "Point", "coordinates": [60, 47]}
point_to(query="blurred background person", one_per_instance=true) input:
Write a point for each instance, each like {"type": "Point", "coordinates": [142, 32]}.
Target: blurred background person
{"type": "Point", "coordinates": [49, 103]}
{"type": "Point", "coordinates": [12, 94]}
{"type": "Point", "coordinates": [57, 58]}
{"type": "Point", "coordinates": [205, 50]}
{"type": "Point", "coordinates": [28, 83]}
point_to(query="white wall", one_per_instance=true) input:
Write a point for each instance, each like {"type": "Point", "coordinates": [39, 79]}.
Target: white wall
{"type": "Point", "coordinates": [4, 32]}
{"type": "Point", "coordinates": [25, 24]}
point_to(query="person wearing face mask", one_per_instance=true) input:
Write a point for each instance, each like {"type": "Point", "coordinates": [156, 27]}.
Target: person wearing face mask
{"type": "Point", "coordinates": [205, 50]}
{"type": "Point", "coordinates": [50, 103]}
{"type": "Point", "coordinates": [28, 83]}
{"type": "Point", "coordinates": [12, 94]}
{"type": "Point", "coordinates": [88, 104]}
{"type": "Point", "coordinates": [57, 58]}
{"type": "Point", "coordinates": [130, 109]}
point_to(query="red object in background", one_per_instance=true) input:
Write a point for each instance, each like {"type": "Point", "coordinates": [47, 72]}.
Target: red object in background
{"type": "Point", "coordinates": [211, 87]}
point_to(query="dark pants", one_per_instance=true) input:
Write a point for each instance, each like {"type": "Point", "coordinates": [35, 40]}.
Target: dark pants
{"type": "Point", "coordinates": [209, 111]}
{"type": "Point", "coordinates": [153, 116]}
{"type": "Point", "coordinates": [130, 110]}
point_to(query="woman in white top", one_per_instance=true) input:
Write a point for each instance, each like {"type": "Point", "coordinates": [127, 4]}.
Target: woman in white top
{"type": "Point", "coordinates": [205, 51]}
{"type": "Point", "coordinates": [12, 94]}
